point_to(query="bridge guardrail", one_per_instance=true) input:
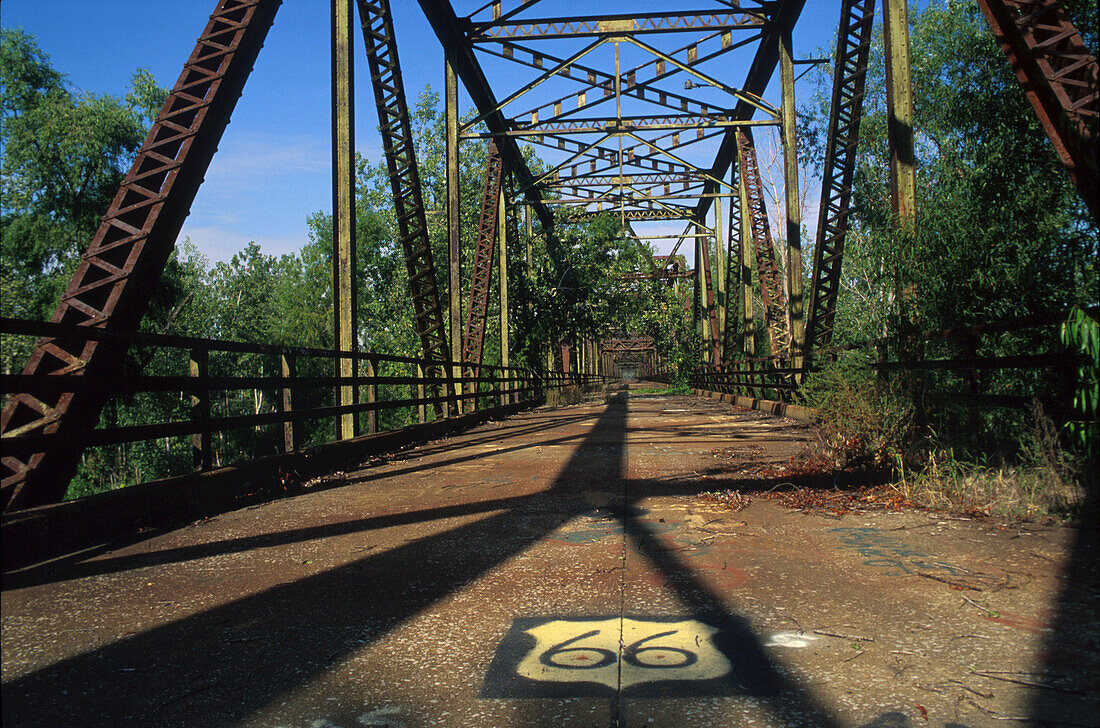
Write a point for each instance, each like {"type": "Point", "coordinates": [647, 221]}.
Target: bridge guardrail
{"type": "Point", "coordinates": [966, 364]}
{"type": "Point", "coordinates": [211, 387]}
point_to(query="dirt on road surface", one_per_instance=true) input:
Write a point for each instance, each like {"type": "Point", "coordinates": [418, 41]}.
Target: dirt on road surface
{"type": "Point", "coordinates": [558, 569]}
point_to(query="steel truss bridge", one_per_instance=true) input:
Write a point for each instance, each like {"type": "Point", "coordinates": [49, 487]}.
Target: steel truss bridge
{"type": "Point", "coordinates": [651, 117]}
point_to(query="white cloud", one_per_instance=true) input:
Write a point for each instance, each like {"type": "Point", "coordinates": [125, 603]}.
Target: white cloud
{"type": "Point", "coordinates": [254, 158]}
{"type": "Point", "coordinates": [219, 244]}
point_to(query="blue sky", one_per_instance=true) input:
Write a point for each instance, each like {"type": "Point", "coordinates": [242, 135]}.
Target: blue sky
{"type": "Point", "coordinates": [273, 168]}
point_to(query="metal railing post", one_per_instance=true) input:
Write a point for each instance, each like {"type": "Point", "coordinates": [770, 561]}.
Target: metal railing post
{"type": "Point", "coordinates": [199, 366]}
{"type": "Point", "coordinates": [288, 371]}
{"type": "Point", "coordinates": [372, 395]}
{"type": "Point", "coordinates": [421, 415]}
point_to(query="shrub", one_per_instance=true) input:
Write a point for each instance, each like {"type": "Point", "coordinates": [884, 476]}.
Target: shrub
{"type": "Point", "coordinates": [862, 420]}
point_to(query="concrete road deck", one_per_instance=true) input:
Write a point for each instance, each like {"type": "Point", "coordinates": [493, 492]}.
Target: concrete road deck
{"type": "Point", "coordinates": [559, 569]}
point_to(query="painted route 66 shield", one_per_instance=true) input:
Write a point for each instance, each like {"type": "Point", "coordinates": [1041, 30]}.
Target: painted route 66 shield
{"type": "Point", "coordinates": [571, 656]}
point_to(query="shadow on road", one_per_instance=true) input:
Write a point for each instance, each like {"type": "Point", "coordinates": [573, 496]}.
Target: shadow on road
{"type": "Point", "coordinates": [225, 664]}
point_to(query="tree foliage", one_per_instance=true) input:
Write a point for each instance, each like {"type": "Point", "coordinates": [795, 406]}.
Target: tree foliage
{"type": "Point", "coordinates": [64, 152]}
{"type": "Point", "coordinates": [1001, 231]}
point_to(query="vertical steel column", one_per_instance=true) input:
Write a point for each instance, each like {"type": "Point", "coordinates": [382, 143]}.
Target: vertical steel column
{"type": "Point", "coordinates": [790, 184]}
{"type": "Point", "coordinates": [697, 296]}
{"type": "Point", "coordinates": [454, 242]}
{"type": "Point", "coordinates": [530, 253]}
{"type": "Point", "coordinates": [722, 274]}
{"type": "Point", "coordinates": [502, 275]}
{"type": "Point", "coordinates": [345, 320]}
{"type": "Point", "coordinates": [748, 326]}
{"type": "Point", "coordinates": [899, 107]}
{"type": "Point", "coordinates": [710, 322]}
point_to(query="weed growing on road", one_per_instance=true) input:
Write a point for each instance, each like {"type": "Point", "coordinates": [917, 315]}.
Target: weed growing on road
{"type": "Point", "coordinates": [861, 422]}
{"type": "Point", "coordinates": [864, 423]}
{"type": "Point", "coordinates": [681, 388]}
{"type": "Point", "coordinates": [1040, 479]}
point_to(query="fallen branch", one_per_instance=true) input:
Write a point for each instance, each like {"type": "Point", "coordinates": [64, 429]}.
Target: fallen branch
{"type": "Point", "coordinates": [953, 583]}
{"type": "Point", "coordinates": [987, 696]}
{"type": "Point", "coordinates": [1028, 683]}
{"type": "Point", "coordinates": [840, 635]}
{"type": "Point", "coordinates": [966, 599]}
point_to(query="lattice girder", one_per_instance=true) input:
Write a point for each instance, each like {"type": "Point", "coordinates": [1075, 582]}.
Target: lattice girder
{"type": "Point", "coordinates": [849, 76]}
{"type": "Point", "coordinates": [485, 246]}
{"type": "Point", "coordinates": [776, 315]}
{"type": "Point", "coordinates": [116, 277]}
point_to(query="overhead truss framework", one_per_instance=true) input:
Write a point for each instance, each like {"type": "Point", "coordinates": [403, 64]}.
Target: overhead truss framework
{"type": "Point", "coordinates": [635, 116]}
{"type": "Point", "coordinates": [630, 349]}
{"type": "Point", "coordinates": [629, 110]}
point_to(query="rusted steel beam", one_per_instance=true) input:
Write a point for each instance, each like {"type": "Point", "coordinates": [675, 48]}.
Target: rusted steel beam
{"type": "Point", "coordinates": [400, 149]}
{"type": "Point", "coordinates": [441, 16]}
{"type": "Point", "coordinates": [632, 179]}
{"type": "Point", "coordinates": [767, 266]}
{"type": "Point", "coordinates": [639, 198]}
{"type": "Point", "coordinates": [654, 276]}
{"type": "Point", "coordinates": [482, 274]}
{"type": "Point", "coordinates": [721, 283]}
{"type": "Point", "coordinates": [631, 344]}
{"type": "Point", "coordinates": [504, 234]}
{"type": "Point", "coordinates": [657, 122]}
{"type": "Point", "coordinates": [1059, 76]}
{"type": "Point", "coordinates": [641, 23]}
{"type": "Point", "coordinates": [784, 15]}
{"type": "Point", "coordinates": [842, 135]}
{"type": "Point", "coordinates": [748, 320]}
{"type": "Point", "coordinates": [632, 215]}
{"type": "Point", "coordinates": [732, 273]}
{"type": "Point", "coordinates": [116, 277]}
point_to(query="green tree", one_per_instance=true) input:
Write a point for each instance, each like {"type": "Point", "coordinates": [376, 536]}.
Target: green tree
{"type": "Point", "coordinates": [64, 153]}
{"type": "Point", "coordinates": [1001, 231]}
